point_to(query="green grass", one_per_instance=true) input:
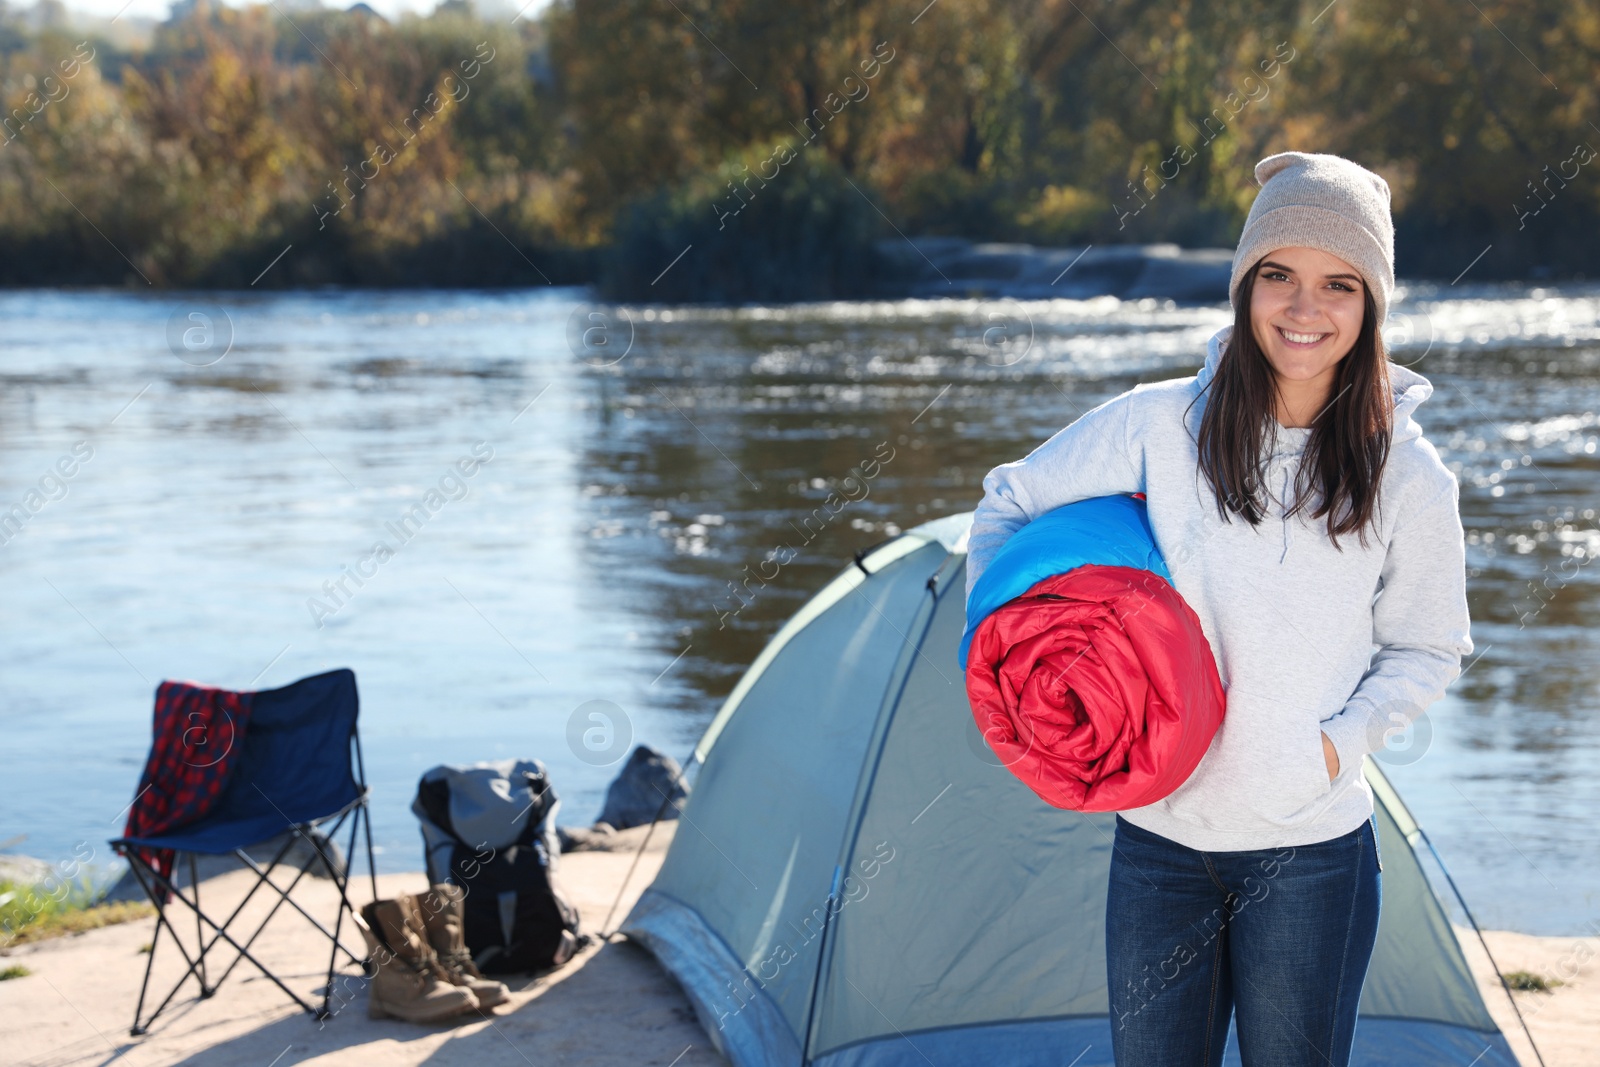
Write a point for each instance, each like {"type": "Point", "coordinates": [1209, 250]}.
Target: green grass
{"type": "Point", "coordinates": [1527, 980]}
{"type": "Point", "coordinates": [37, 913]}
{"type": "Point", "coordinates": [9, 973]}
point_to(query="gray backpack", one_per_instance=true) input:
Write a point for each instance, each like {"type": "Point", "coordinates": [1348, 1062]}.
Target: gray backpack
{"type": "Point", "coordinates": [490, 829]}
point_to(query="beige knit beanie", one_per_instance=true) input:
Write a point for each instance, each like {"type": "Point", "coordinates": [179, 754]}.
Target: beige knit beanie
{"type": "Point", "coordinates": [1325, 202]}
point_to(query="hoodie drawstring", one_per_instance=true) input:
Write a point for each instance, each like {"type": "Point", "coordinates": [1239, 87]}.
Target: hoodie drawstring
{"type": "Point", "coordinates": [1285, 552]}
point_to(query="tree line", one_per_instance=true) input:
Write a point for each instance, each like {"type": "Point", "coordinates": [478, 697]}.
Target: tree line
{"type": "Point", "coordinates": [301, 146]}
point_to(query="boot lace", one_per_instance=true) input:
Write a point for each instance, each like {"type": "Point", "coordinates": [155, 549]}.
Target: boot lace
{"type": "Point", "coordinates": [461, 963]}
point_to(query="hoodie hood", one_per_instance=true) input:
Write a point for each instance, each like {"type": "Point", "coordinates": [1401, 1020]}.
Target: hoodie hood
{"type": "Point", "coordinates": [1410, 390]}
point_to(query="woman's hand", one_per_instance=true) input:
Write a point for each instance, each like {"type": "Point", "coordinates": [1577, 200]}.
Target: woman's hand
{"type": "Point", "coordinates": [1330, 756]}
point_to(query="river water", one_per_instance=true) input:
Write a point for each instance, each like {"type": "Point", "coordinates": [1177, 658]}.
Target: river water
{"type": "Point", "coordinates": [224, 483]}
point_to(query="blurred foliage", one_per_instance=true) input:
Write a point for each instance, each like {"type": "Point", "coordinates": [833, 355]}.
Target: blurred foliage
{"type": "Point", "coordinates": [730, 237]}
{"type": "Point", "coordinates": [600, 137]}
{"type": "Point", "coordinates": [38, 913]}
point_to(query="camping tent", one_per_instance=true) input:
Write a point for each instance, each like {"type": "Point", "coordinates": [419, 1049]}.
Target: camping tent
{"type": "Point", "coordinates": [856, 880]}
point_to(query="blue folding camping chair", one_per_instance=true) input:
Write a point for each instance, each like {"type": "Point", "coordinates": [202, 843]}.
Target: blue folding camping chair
{"type": "Point", "coordinates": [299, 769]}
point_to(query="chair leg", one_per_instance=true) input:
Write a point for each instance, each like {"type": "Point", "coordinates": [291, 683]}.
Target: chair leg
{"type": "Point", "coordinates": [372, 868]}
{"type": "Point", "coordinates": [364, 818]}
{"type": "Point", "coordinates": [286, 899]}
{"type": "Point", "coordinates": [222, 933]}
{"type": "Point", "coordinates": [138, 868]}
{"type": "Point", "coordinates": [263, 879]}
{"type": "Point", "coordinates": [344, 905]}
{"type": "Point", "coordinates": [361, 778]}
{"type": "Point", "coordinates": [369, 966]}
{"type": "Point", "coordinates": [136, 1029]}
{"type": "Point", "coordinates": [207, 946]}
{"type": "Point", "coordinates": [199, 933]}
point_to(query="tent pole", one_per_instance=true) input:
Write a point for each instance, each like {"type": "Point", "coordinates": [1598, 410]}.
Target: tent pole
{"type": "Point", "coordinates": [1463, 902]}
{"type": "Point", "coordinates": [920, 625]}
{"type": "Point", "coordinates": [816, 982]}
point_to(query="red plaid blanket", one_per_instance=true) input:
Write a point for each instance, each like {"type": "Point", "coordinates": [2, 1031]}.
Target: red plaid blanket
{"type": "Point", "coordinates": [199, 733]}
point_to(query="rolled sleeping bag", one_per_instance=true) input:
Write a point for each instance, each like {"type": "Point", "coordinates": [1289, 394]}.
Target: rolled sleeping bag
{"type": "Point", "coordinates": [1088, 675]}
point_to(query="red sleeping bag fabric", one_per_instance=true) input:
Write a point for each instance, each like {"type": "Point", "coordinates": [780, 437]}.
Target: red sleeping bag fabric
{"type": "Point", "coordinates": [1097, 688]}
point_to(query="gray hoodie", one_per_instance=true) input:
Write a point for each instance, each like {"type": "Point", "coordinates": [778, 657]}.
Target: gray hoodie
{"type": "Point", "coordinates": [1308, 639]}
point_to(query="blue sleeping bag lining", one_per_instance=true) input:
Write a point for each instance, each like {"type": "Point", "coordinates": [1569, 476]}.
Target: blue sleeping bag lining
{"type": "Point", "coordinates": [1111, 531]}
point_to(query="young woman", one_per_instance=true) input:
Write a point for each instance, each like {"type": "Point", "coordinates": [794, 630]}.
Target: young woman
{"type": "Point", "coordinates": [1305, 519]}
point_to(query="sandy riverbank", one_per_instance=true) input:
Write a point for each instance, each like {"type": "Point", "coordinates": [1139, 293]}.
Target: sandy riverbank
{"type": "Point", "coordinates": [613, 1006]}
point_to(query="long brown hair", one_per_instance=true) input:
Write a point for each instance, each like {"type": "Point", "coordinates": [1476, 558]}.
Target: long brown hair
{"type": "Point", "coordinates": [1349, 442]}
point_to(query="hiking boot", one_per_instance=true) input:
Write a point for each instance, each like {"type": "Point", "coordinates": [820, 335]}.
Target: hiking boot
{"type": "Point", "coordinates": [410, 984]}
{"type": "Point", "coordinates": [440, 908]}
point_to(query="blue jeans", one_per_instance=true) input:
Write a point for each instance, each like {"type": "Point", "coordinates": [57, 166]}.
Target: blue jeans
{"type": "Point", "coordinates": [1282, 937]}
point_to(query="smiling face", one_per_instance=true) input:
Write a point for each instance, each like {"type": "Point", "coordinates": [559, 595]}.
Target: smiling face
{"type": "Point", "coordinates": [1306, 309]}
